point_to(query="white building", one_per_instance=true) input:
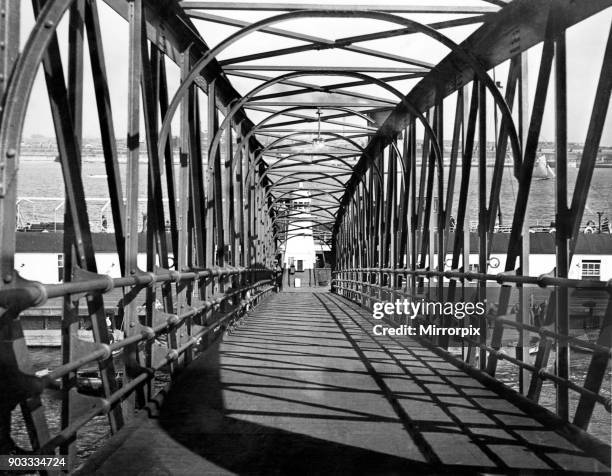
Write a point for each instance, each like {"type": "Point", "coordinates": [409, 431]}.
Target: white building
{"type": "Point", "coordinates": [592, 260]}
{"type": "Point", "coordinates": [40, 257]}
{"type": "Point", "coordinates": [299, 249]}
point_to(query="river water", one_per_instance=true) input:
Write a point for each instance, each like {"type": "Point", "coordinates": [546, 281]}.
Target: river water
{"type": "Point", "coordinates": [90, 437]}
{"type": "Point", "coordinates": [43, 178]}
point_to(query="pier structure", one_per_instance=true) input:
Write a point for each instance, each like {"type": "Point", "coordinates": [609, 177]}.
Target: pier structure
{"type": "Point", "coordinates": [218, 372]}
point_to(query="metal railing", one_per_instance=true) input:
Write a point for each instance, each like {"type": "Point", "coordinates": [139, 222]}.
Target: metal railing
{"type": "Point", "coordinates": [368, 285]}
{"type": "Point", "coordinates": [193, 319]}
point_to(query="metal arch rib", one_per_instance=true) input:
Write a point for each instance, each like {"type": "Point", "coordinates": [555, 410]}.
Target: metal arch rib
{"type": "Point", "coordinates": [256, 128]}
{"type": "Point", "coordinates": [237, 106]}
{"type": "Point", "coordinates": [276, 198]}
{"type": "Point", "coordinates": [260, 152]}
{"type": "Point", "coordinates": [466, 56]}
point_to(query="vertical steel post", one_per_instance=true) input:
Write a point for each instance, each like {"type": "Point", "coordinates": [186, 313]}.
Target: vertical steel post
{"type": "Point", "coordinates": [107, 129]}
{"type": "Point", "coordinates": [482, 213]}
{"type": "Point", "coordinates": [14, 357]}
{"type": "Point", "coordinates": [562, 234]}
{"type": "Point", "coordinates": [70, 323]}
{"type": "Point", "coordinates": [599, 362]}
{"type": "Point", "coordinates": [131, 321]}
{"type": "Point", "coordinates": [523, 315]}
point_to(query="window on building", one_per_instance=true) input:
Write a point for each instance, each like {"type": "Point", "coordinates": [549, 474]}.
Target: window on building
{"type": "Point", "coordinates": [473, 268]}
{"type": "Point", "coordinates": [60, 267]}
{"type": "Point", "coordinates": [591, 269]}
{"type": "Point", "coordinates": [300, 265]}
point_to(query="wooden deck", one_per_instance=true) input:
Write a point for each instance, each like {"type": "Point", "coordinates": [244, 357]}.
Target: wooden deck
{"type": "Point", "coordinates": [305, 388]}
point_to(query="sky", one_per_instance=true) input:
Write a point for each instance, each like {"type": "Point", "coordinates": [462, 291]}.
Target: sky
{"type": "Point", "coordinates": [585, 45]}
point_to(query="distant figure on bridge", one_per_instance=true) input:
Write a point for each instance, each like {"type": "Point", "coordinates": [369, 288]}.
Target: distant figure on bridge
{"type": "Point", "coordinates": [104, 223]}
{"type": "Point", "coordinates": [279, 276]}
{"type": "Point", "coordinates": [291, 274]}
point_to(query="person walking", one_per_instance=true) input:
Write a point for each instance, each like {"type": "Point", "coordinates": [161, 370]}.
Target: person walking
{"type": "Point", "coordinates": [279, 277]}
{"type": "Point", "coordinates": [292, 274]}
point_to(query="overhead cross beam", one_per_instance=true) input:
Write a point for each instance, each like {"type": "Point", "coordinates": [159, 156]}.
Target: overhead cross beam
{"type": "Point", "coordinates": [315, 43]}
{"type": "Point", "coordinates": [370, 104]}
{"type": "Point", "coordinates": [306, 87]}
{"type": "Point", "coordinates": [292, 7]}
{"type": "Point", "coordinates": [340, 69]}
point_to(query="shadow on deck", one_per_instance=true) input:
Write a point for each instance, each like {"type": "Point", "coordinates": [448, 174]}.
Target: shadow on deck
{"type": "Point", "coordinates": [305, 388]}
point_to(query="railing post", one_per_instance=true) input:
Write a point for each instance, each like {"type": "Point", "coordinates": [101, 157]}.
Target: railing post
{"type": "Point", "coordinates": [541, 362]}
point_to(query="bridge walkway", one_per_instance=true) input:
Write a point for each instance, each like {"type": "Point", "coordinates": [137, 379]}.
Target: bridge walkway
{"type": "Point", "coordinates": [304, 387]}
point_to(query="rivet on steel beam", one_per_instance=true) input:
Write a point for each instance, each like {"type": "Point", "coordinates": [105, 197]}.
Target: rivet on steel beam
{"type": "Point", "coordinates": [11, 153]}
{"type": "Point", "coordinates": [48, 24]}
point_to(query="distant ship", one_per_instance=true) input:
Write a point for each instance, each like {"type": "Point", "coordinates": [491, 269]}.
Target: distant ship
{"type": "Point", "coordinates": [541, 169]}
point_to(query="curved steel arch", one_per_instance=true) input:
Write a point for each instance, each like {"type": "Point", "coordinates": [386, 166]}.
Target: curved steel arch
{"type": "Point", "coordinates": [275, 199]}
{"type": "Point", "coordinates": [317, 207]}
{"type": "Point", "coordinates": [238, 104]}
{"type": "Point", "coordinates": [278, 197]}
{"type": "Point", "coordinates": [260, 152]}
{"type": "Point", "coordinates": [285, 240]}
{"type": "Point", "coordinates": [255, 129]}
{"type": "Point", "coordinates": [479, 70]}
{"type": "Point", "coordinates": [282, 112]}
{"type": "Point", "coordinates": [303, 228]}
{"type": "Point", "coordinates": [26, 68]}
{"type": "Point", "coordinates": [350, 141]}
{"type": "Point", "coordinates": [271, 169]}
{"type": "Point", "coordinates": [312, 218]}
{"type": "Point", "coordinates": [329, 156]}
{"type": "Point", "coordinates": [322, 174]}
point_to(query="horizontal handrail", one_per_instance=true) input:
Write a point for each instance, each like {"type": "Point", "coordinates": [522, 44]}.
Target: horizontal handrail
{"type": "Point", "coordinates": [146, 334]}
{"type": "Point", "coordinates": [349, 286]}
{"type": "Point", "coordinates": [501, 278]}
{"type": "Point", "coordinates": [544, 374]}
{"type": "Point", "coordinates": [27, 293]}
{"type": "Point", "coordinates": [106, 404]}
{"type": "Point", "coordinates": [579, 343]}
{"type": "Point", "coordinates": [517, 325]}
